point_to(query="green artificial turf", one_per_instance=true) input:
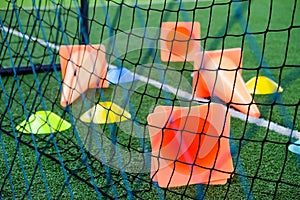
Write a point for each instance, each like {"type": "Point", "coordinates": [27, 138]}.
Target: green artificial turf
{"type": "Point", "coordinates": [56, 166]}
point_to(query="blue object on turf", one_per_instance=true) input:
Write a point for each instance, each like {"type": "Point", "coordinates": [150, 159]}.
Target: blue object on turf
{"type": "Point", "coordinates": [120, 75]}
{"type": "Point", "coordinates": [295, 148]}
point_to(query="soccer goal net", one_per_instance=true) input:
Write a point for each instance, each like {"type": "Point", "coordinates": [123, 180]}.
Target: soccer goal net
{"type": "Point", "coordinates": [149, 99]}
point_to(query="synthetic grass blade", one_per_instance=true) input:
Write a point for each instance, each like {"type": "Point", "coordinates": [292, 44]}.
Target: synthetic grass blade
{"type": "Point", "coordinates": [120, 75]}
{"type": "Point", "coordinates": [105, 112]}
{"type": "Point", "coordinates": [295, 148]}
{"type": "Point", "coordinates": [43, 122]}
{"type": "Point", "coordinates": [262, 85]}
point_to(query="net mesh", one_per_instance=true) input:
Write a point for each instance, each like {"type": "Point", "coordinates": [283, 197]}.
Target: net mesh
{"type": "Point", "coordinates": [98, 161]}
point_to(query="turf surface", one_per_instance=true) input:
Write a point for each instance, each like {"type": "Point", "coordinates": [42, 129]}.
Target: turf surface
{"type": "Point", "coordinates": [265, 169]}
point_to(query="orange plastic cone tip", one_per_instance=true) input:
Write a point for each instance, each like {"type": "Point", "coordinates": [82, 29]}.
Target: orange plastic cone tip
{"type": "Point", "coordinates": [43, 122]}
{"type": "Point", "coordinates": [216, 74]}
{"type": "Point", "coordinates": [190, 145]}
{"type": "Point", "coordinates": [105, 112]}
{"type": "Point", "coordinates": [83, 67]}
{"type": "Point", "coordinates": [180, 41]}
{"type": "Point", "coordinates": [263, 85]}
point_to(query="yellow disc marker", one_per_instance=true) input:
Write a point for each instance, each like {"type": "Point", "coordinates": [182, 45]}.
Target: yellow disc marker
{"type": "Point", "coordinates": [263, 85]}
{"type": "Point", "coordinates": [105, 112]}
{"type": "Point", "coordinates": [43, 122]}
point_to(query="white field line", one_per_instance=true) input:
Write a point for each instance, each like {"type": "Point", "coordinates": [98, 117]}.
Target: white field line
{"type": "Point", "coordinates": [21, 35]}
{"type": "Point", "coordinates": [257, 121]}
{"type": "Point", "coordinates": [186, 95]}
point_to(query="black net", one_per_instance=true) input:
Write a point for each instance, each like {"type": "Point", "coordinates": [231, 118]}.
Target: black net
{"type": "Point", "coordinates": [170, 116]}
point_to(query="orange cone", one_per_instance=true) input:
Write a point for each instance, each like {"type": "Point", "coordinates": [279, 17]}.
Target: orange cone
{"type": "Point", "coordinates": [179, 41]}
{"type": "Point", "coordinates": [216, 75]}
{"type": "Point", "coordinates": [190, 145]}
{"type": "Point", "coordinates": [83, 67]}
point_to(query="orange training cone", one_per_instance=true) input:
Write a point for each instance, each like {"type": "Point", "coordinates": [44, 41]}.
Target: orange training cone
{"type": "Point", "coordinates": [83, 67]}
{"type": "Point", "coordinates": [216, 75]}
{"type": "Point", "coordinates": [179, 41]}
{"type": "Point", "coordinates": [190, 145]}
